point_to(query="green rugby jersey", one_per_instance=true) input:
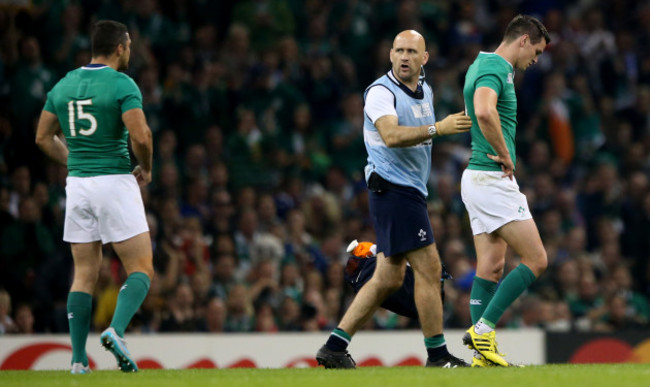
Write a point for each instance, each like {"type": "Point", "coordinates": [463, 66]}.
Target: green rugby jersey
{"type": "Point", "coordinates": [493, 71]}
{"type": "Point", "coordinates": [89, 103]}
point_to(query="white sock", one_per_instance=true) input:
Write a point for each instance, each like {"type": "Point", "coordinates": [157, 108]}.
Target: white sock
{"type": "Point", "coordinates": [482, 328]}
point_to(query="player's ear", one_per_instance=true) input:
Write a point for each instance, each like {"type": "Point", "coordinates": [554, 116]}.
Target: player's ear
{"type": "Point", "coordinates": [119, 50]}
{"type": "Point", "coordinates": [425, 57]}
{"type": "Point", "coordinates": [523, 39]}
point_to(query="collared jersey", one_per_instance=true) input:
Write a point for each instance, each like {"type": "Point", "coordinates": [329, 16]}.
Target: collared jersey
{"type": "Point", "coordinates": [406, 166]}
{"type": "Point", "coordinates": [493, 71]}
{"type": "Point", "coordinates": [89, 103]}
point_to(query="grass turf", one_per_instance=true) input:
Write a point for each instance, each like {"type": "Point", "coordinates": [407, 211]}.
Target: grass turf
{"type": "Point", "coordinates": [617, 375]}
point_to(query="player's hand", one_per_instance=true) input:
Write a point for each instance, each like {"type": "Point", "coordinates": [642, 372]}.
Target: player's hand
{"type": "Point", "coordinates": [141, 176]}
{"type": "Point", "coordinates": [454, 123]}
{"type": "Point", "coordinates": [506, 164]}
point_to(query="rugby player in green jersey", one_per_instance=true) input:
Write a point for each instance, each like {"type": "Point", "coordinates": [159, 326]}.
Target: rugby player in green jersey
{"type": "Point", "coordinates": [498, 211]}
{"type": "Point", "coordinates": [98, 108]}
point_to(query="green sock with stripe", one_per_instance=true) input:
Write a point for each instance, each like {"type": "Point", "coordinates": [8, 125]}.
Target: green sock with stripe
{"type": "Point", "coordinates": [436, 347]}
{"type": "Point", "coordinates": [338, 340]}
{"type": "Point", "coordinates": [482, 293]}
{"type": "Point", "coordinates": [131, 296]}
{"type": "Point", "coordinates": [515, 283]}
{"type": "Point", "coordinates": [79, 312]}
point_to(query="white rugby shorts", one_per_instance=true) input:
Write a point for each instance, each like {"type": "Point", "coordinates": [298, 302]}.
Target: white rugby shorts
{"type": "Point", "coordinates": [107, 208]}
{"type": "Point", "coordinates": [492, 200]}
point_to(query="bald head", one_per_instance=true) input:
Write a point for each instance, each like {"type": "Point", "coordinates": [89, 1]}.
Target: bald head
{"type": "Point", "coordinates": [408, 55]}
{"type": "Point", "coordinates": [410, 37]}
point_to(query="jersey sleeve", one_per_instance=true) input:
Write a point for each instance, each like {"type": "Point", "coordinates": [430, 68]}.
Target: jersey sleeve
{"type": "Point", "coordinates": [128, 94]}
{"type": "Point", "coordinates": [379, 102]}
{"type": "Point", "coordinates": [493, 77]}
{"type": "Point", "coordinates": [490, 80]}
{"type": "Point", "coordinates": [49, 104]}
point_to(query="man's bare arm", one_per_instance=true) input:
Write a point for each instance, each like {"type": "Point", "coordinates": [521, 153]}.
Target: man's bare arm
{"type": "Point", "coordinates": [485, 108]}
{"type": "Point", "coordinates": [141, 143]}
{"type": "Point", "coordinates": [404, 136]}
{"type": "Point", "coordinates": [47, 138]}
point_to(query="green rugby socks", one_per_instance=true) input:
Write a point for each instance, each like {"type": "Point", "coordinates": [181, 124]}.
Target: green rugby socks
{"type": "Point", "coordinates": [79, 312]}
{"type": "Point", "coordinates": [515, 283]}
{"type": "Point", "coordinates": [131, 296]}
{"type": "Point", "coordinates": [482, 293]}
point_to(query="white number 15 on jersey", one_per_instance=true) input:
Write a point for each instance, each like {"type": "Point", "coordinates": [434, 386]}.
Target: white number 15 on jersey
{"type": "Point", "coordinates": [82, 116]}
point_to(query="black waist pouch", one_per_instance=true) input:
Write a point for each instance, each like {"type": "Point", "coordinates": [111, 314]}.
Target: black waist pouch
{"type": "Point", "coordinates": [377, 183]}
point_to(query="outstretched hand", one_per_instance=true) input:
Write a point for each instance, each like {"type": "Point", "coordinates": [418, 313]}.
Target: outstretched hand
{"type": "Point", "coordinates": [506, 164]}
{"type": "Point", "coordinates": [454, 123]}
{"type": "Point", "coordinates": [141, 176]}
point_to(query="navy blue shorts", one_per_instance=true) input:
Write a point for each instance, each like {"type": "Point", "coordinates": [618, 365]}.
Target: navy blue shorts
{"type": "Point", "coordinates": [401, 220]}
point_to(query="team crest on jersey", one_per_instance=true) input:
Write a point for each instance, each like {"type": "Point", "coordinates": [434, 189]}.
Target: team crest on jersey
{"type": "Point", "coordinates": [510, 78]}
{"type": "Point", "coordinates": [421, 110]}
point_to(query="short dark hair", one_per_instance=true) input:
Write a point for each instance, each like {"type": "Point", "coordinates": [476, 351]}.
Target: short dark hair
{"type": "Point", "coordinates": [524, 24]}
{"type": "Point", "coordinates": [106, 36]}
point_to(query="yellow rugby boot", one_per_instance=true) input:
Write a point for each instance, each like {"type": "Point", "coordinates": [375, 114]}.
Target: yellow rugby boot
{"type": "Point", "coordinates": [486, 345]}
{"type": "Point", "coordinates": [480, 361]}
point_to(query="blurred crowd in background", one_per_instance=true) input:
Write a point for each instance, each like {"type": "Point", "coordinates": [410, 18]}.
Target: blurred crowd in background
{"type": "Point", "coordinates": [256, 107]}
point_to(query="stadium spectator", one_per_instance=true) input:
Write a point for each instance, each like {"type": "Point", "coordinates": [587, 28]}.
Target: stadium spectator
{"type": "Point", "coordinates": [616, 316]}
{"type": "Point", "coordinates": [105, 295]}
{"type": "Point", "coordinates": [289, 315]}
{"type": "Point", "coordinates": [239, 310]}
{"type": "Point", "coordinates": [265, 319]}
{"type": "Point", "coordinates": [24, 319]}
{"type": "Point", "coordinates": [21, 188]}
{"type": "Point", "coordinates": [28, 88]}
{"type": "Point", "coordinates": [223, 275]}
{"type": "Point", "coordinates": [7, 324]}
{"type": "Point", "coordinates": [263, 283]}
{"type": "Point", "coordinates": [181, 315]}
{"type": "Point", "coordinates": [214, 320]}
{"type": "Point", "coordinates": [26, 245]}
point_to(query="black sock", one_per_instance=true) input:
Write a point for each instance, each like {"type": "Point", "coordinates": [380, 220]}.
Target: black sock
{"type": "Point", "coordinates": [338, 340]}
{"type": "Point", "coordinates": [437, 352]}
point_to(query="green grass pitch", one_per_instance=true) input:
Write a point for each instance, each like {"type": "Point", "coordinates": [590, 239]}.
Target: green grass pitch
{"type": "Point", "coordinates": [614, 375]}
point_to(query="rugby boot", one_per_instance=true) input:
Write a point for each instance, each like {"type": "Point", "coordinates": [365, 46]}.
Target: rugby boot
{"type": "Point", "coordinates": [332, 359]}
{"type": "Point", "coordinates": [486, 345]}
